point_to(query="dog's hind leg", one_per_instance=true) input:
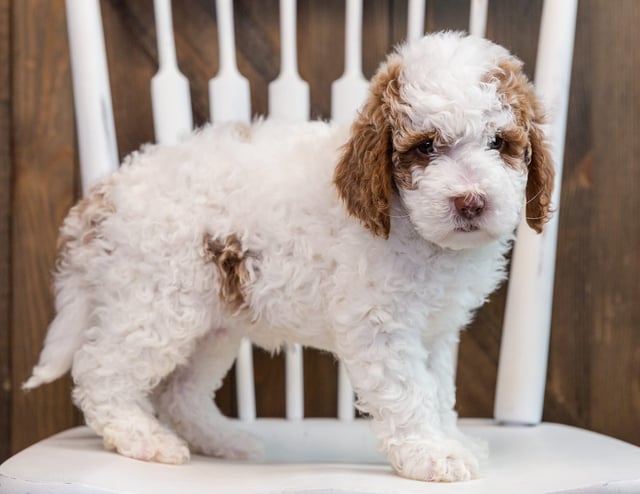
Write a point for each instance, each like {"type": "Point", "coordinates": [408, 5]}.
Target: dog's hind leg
{"type": "Point", "coordinates": [137, 341]}
{"type": "Point", "coordinates": [112, 388]}
{"type": "Point", "coordinates": [185, 400]}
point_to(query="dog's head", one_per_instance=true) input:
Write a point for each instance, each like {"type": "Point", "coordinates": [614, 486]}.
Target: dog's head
{"type": "Point", "coordinates": [451, 127]}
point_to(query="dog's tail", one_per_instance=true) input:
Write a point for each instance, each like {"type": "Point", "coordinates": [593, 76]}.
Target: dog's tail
{"type": "Point", "coordinates": [74, 294]}
{"type": "Point", "coordinates": [64, 336]}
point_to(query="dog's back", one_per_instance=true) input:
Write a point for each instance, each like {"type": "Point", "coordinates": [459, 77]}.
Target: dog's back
{"type": "Point", "coordinates": [165, 200]}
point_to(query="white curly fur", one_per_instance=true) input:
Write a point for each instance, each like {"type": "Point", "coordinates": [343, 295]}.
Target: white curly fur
{"type": "Point", "coordinates": [143, 326]}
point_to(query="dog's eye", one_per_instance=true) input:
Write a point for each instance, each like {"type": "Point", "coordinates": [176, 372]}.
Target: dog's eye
{"type": "Point", "coordinates": [426, 147]}
{"type": "Point", "coordinates": [496, 143]}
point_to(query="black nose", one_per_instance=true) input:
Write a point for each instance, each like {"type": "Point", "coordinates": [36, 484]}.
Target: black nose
{"type": "Point", "coordinates": [469, 206]}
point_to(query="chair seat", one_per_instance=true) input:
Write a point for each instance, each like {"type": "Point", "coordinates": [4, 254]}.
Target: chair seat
{"type": "Point", "coordinates": [323, 456]}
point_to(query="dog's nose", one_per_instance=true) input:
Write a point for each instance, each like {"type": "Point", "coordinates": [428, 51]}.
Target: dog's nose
{"type": "Point", "coordinates": [469, 206]}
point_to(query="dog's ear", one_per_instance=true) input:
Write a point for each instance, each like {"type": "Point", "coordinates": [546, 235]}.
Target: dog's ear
{"type": "Point", "coordinates": [541, 175]}
{"type": "Point", "coordinates": [363, 173]}
{"type": "Point", "coordinates": [520, 95]}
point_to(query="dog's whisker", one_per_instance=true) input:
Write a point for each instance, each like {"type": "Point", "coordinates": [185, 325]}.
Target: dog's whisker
{"type": "Point", "coordinates": [401, 216]}
{"type": "Point", "coordinates": [536, 217]}
{"type": "Point", "coordinates": [534, 197]}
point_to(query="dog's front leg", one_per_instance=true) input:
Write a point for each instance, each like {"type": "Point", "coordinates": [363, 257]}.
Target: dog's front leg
{"type": "Point", "coordinates": [390, 371]}
{"type": "Point", "coordinates": [441, 362]}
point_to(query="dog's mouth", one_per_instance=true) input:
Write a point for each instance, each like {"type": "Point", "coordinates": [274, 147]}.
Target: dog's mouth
{"type": "Point", "coordinates": [467, 228]}
{"type": "Point", "coordinates": [467, 235]}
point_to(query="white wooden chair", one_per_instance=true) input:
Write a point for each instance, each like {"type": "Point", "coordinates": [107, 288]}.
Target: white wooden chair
{"type": "Point", "coordinates": [334, 455]}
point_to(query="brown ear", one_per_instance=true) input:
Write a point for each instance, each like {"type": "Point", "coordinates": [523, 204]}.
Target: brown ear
{"type": "Point", "coordinates": [520, 95]}
{"type": "Point", "coordinates": [363, 173]}
{"type": "Point", "coordinates": [540, 179]}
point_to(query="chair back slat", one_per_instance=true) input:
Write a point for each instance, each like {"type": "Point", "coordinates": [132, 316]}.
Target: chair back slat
{"type": "Point", "coordinates": [229, 100]}
{"type": "Point", "coordinates": [346, 407]}
{"type": "Point", "coordinates": [348, 92]}
{"type": "Point", "coordinates": [289, 99]}
{"type": "Point", "coordinates": [415, 20]}
{"type": "Point", "coordinates": [527, 322]}
{"type": "Point", "coordinates": [288, 94]}
{"type": "Point", "coordinates": [91, 92]}
{"type": "Point", "coordinates": [294, 385]}
{"type": "Point", "coordinates": [245, 385]}
{"type": "Point", "coordinates": [170, 96]}
{"type": "Point", "coordinates": [347, 95]}
{"type": "Point", "coordinates": [478, 17]}
{"type": "Point", "coordinates": [229, 91]}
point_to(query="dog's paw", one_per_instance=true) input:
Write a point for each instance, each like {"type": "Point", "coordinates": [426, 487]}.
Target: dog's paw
{"type": "Point", "coordinates": [435, 461]}
{"type": "Point", "coordinates": [162, 446]}
{"type": "Point", "coordinates": [232, 444]}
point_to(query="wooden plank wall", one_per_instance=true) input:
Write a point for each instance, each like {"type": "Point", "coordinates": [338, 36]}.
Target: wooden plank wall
{"type": "Point", "coordinates": [43, 189]}
{"type": "Point", "coordinates": [5, 229]}
{"type": "Point", "coordinates": [594, 368]}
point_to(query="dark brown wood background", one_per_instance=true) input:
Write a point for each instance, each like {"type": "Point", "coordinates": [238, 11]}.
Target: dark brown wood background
{"type": "Point", "coordinates": [594, 367]}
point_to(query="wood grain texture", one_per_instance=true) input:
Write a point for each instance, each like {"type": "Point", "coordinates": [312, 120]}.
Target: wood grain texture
{"type": "Point", "coordinates": [5, 229]}
{"type": "Point", "coordinates": [44, 189]}
{"type": "Point", "coordinates": [269, 371]}
{"type": "Point", "coordinates": [320, 384]}
{"type": "Point", "coordinates": [594, 365]}
{"type": "Point", "coordinates": [321, 50]}
{"type": "Point", "coordinates": [130, 72]}
{"type": "Point", "coordinates": [615, 105]}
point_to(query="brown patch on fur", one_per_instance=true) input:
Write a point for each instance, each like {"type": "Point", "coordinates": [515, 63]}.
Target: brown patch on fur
{"type": "Point", "coordinates": [363, 173]}
{"type": "Point", "coordinates": [82, 225]}
{"type": "Point", "coordinates": [527, 142]}
{"type": "Point", "coordinates": [229, 257]}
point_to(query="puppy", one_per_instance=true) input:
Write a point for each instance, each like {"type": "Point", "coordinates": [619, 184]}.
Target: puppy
{"type": "Point", "coordinates": [375, 243]}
